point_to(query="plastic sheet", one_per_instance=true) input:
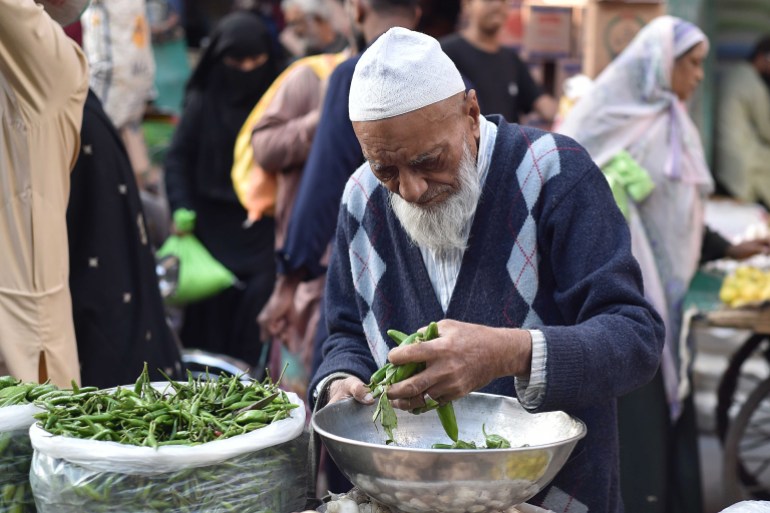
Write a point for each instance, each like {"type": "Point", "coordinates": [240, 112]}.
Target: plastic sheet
{"type": "Point", "coordinates": [272, 480]}
{"type": "Point", "coordinates": [262, 471]}
{"type": "Point", "coordinates": [15, 459]}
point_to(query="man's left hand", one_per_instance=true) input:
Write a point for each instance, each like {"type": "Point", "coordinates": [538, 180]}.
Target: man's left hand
{"type": "Point", "coordinates": [464, 358]}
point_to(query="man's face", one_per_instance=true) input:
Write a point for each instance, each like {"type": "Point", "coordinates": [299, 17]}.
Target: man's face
{"type": "Point", "coordinates": [488, 16]}
{"type": "Point", "coordinates": [304, 26]}
{"type": "Point", "coordinates": [427, 160]}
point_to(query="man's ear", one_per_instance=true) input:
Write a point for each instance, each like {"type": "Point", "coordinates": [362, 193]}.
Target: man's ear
{"type": "Point", "coordinates": [359, 10]}
{"type": "Point", "coordinates": [473, 112]}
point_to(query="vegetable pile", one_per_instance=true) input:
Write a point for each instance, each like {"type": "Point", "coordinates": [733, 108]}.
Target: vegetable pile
{"type": "Point", "coordinates": [14, 393]}
{"type": "Point", "coordinates": [390, 374]}
{"type": "Point", "coordinates": [746, 286]}
{"type": "Point", "coordinates": [197, 412]}
{"type": "Point", "coordinates": [15, 448]}
{"type": "Point", "coordinates": [81, 473]}
{"type": "Point", "coordinates": [492, 441]}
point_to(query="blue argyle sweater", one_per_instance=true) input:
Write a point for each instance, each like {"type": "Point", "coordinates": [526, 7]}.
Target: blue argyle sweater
{"type": "Point", "coordinates": [548, 249]}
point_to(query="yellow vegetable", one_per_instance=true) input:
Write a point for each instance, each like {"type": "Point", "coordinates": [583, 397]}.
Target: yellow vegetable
{"type": "Point", "coordinates": [746, 285]}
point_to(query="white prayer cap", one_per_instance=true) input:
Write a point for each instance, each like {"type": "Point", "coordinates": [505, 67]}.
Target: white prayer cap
{"type": "Point", "coordinates": [401, 72]}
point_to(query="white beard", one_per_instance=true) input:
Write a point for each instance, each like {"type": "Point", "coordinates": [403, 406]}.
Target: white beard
{"type": "Point", "coordinates": [442, 227]}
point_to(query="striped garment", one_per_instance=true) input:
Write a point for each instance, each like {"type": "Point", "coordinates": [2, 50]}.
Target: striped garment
{"type": "Point", "coordinates": [444, 267]}
{"type": "Point", "coordinates": [549, 251]}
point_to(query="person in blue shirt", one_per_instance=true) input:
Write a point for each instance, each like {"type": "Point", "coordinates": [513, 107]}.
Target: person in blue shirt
{"type": "Point", "coordinates": [334, 156]}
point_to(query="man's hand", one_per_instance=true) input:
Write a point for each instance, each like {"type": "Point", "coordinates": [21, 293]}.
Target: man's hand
{"type": "Point", "coordinates": [749, 248]}
{"type": "Point", "coordinates": [275, 318]}
{"type": "Point", "coordinates": [349, 387]}
{"type": "Point", "coordinates": [464, 358]}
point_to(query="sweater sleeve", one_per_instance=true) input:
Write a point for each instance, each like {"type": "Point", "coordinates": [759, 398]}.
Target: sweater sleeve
{"type": "Point", "coordinates": [612, 338]}
{"type": "Point", "coordinates": [346, 349]}
{"type": "Point", "coordinates": [180, 159]}
{"type": "Point", "coordinates": [334, 156]}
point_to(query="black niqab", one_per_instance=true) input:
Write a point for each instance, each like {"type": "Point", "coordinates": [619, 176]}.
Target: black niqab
{"type": "Point", "coordinates": [221, 97]}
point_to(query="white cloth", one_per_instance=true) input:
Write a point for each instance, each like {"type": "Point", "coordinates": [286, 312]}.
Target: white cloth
{"type": "Point", "coordinates": [116, 39]}
{"type": "Point", "coordinates": [401, 72]}
{"type": "Point", "coordinates": [631, 107]}
{"type": "Point", "coordinates": [444, 267]}
{"type": "Point", "coordinates": [749, 507]}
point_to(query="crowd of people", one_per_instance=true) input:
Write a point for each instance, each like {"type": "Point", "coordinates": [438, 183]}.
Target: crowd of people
{"type": "Point", "coordinates": [358, 166]}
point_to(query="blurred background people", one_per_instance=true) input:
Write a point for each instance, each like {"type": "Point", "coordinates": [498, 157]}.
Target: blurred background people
{"type": "Point", "coordinates": [743, 127]}
{"type": "Point", "coordinates": [116, 39]}
{"type": "Point", "coordinates": [501, 80]}
{"type": "Point", "coordinates": [281, 130]}
{"type": "Point", "coordinates": [334, 156]}
{"type": "Point", "coordinates": [647, 122]}
{"type": "Point", "coordinates": [309, 28]}
{"type": "Point", "coordinates": [169, 49]}
{"type": "Point", "coordinates": [235, 69]}
{"type": "Point", "coordinates": [43, 85]}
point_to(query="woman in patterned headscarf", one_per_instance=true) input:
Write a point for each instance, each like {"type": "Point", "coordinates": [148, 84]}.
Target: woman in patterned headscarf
{"type": "Point", "coordinates": [636, 107]}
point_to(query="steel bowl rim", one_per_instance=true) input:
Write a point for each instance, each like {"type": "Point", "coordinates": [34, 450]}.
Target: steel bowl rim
{"type": "Point", "coordinates": [323, 433]}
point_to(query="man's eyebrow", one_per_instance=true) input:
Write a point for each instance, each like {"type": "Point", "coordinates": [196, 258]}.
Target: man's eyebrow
{"type": "Point", "coordinates": [423, 157]}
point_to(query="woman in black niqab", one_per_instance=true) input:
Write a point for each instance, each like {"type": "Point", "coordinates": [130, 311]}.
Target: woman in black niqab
{"type": "Point", "coordinates": [235, 69]}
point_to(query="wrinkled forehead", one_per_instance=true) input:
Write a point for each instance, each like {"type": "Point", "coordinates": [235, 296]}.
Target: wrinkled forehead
{"type": "Point", "coordinates": [410, 138]}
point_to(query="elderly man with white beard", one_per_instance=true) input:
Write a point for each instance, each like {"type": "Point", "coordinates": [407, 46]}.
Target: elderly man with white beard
{"type": "Point", "coordinates": [508, 237]}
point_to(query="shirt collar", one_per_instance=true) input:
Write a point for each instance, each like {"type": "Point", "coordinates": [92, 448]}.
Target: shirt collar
{"type": "Point", "coordinates": [487, 138]}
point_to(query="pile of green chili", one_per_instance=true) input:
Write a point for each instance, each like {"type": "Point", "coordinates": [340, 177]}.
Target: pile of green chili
{"type": "Point", "coordinates": [191, 413]}
{"type": "Point", "coordinates": [201, 410]}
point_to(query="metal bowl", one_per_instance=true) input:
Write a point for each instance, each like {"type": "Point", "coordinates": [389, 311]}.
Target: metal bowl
{"type": "Point", "coordinates": [411, 477]}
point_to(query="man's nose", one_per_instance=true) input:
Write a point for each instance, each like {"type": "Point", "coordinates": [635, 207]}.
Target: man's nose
{"type": "Point", "coordinates": [411, 187]}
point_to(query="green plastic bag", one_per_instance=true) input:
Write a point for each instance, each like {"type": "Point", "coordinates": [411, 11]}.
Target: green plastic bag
{"type": "Point", "coordinates": [627, 178]}
{"type": "Point", "coordinates": [200, 274]}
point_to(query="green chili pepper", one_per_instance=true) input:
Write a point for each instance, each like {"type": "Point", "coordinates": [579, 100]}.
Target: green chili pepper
{"type": "Point", "coordinates": [431, 331]}
{"type": "Point", "coordinates": [446, 413]}
{"type": "Point", "coordinates": [378, 376]}
{"type": "Point", "coordinates": [250, 416]}
{"type": "Point", "coordinates": [397, 336]}
{"type": "Point", "coordinates": [495, 441]}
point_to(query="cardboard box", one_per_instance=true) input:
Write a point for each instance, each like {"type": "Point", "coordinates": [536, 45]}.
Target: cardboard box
{"type": "Point", "coordinates": [547, 32]}
{"type": "Point", "coordinates": [608, 27]}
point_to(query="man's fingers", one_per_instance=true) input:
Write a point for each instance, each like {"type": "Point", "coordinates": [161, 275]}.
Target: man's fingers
{"type": "Point", "coordinates": [350, 387]}
{"type": "Point", "coordinates": [422, 352]}
{"type": "Point", "coordinates": [412, 387]}
{"type": "Point", "coordinates": [361, 393]}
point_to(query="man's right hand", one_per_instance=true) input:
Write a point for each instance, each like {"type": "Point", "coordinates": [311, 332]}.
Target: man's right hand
{"type": "Point", "coordinates": [275, 318]}
{"type": "Point", "coordinates": [340, 389]}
